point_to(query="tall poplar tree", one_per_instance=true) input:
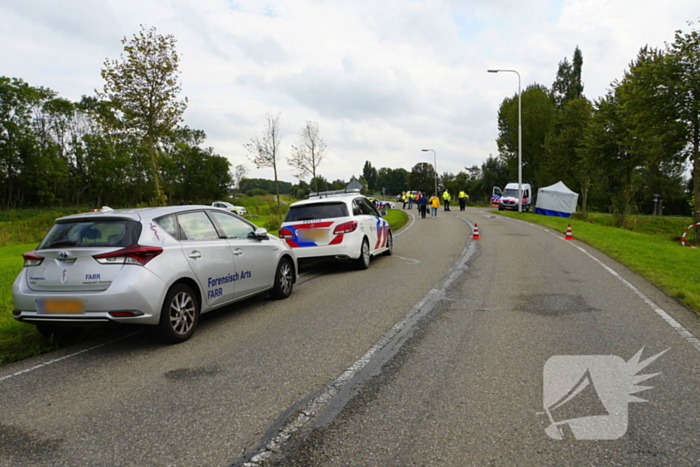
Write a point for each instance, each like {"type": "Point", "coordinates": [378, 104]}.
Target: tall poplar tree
{"type": "Point", "coordinates": [568, 85]}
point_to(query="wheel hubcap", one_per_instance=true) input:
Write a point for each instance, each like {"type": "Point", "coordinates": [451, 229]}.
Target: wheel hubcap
{"type": "Point", "coordinates": [285, 277]}
{"type": "Point", "coordinates": [182, 313]}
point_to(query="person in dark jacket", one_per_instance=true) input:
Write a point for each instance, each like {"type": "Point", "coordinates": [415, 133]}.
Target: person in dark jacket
{"type": "Point", "coordinates": [422, 205]}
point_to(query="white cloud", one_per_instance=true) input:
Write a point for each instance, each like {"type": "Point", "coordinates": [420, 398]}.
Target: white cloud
{"type": "Point", "coordinates": [382, 79]}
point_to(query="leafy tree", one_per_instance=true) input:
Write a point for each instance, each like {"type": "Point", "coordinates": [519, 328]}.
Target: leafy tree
{"type": "Point", "coordinates": [308, 153]}
{"type": "Point", "coordinates": [494, 173]}
{"type": "Point", "coordinates": [568, 84]}
{"type": "Point", "coordinates": [338, 185]}
{"type": "Point", "coordinates": [199, 175]}
{"type": "Point", "coordinates": [538, 111]}
{"type": "Point", "coordinates": [685, 63]}
{"type": "Point", "coordinates": [647, 97]}
{"type": "Point", "coordinates": [301, 189]}
{"type": "Point", "coordinates": [564, 159]}
{"type": "Point", "coordinates": [393, 181]}
{"type": "Point", "coordinates": [370, 175]}
{"type": "Point", "coordinates": [193, 173]}
{"type": "Point", "coordinates": [612, 148]}
{"type": "Point", "coordinates": [320, 183]}
{"type": "Point", "coordinates": [264, 150]}
{"type": "Point", "coordinates": [447, 181]}
{"type": "Point", "coordinates": [17, 100]}
{"type": "Point", "coordinates": [473, 184]}
{"type": "Point", "coordinates": [143, 87]}
{"type": "Point", "coordinates": [422, 177]}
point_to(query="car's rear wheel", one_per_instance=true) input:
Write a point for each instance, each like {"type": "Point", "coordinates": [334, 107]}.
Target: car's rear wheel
{"type": "Point", "coordinates": [284, 279]}
{"type": "Point", "coordinates": [389, 245]}
{"type": "Point", "coordinates": [179, 315]}
{"type": "Point", "coordinates": [363, 261]}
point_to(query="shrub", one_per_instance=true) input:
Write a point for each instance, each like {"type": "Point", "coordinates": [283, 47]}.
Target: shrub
{"type": "Point", "coordinates": [256, 192]}
{"type": "Point", "coordinates": [273, 223]}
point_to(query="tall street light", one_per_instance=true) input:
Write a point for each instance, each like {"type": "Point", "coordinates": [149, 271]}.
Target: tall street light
{"type": "Point", "coordinates": [520, 140]}
{"type": "Point", "coordinates": [434, 166]}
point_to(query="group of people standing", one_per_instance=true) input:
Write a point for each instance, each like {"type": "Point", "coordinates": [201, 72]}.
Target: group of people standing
{"type": "Point", "coordinates": [463, 198]}
{"type": "Point", "coordinates": [422, 202]}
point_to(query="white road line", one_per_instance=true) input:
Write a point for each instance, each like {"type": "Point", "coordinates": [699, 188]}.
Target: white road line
{"type": "Point", "coordinates": [678, 327]}
{"type": "Point", "coordinates": [56, 360]}
{"type": "Point", "coordinates": [413, 220]}
{"type": "Point", "coordinates": [320, 402]}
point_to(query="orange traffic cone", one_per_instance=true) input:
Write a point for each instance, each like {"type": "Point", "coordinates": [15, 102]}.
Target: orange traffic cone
{"type": "Point", "coordinates": [475, 235]}
{"type": "Point", "coordinates": [569, 235]}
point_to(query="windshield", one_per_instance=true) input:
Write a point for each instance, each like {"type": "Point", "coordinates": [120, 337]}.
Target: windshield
{"type": "Point", "coordinates": [307, 212]}
{"type": "Point", "coordinates": [87, 234]}
{"type": "Point", "coordinates": [511, 193]}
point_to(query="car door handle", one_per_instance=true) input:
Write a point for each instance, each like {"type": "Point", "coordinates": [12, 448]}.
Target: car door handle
{"type": "Point", "coordinates": [195, 254]}
{"type": "Point", "coordinates": [237, 252]}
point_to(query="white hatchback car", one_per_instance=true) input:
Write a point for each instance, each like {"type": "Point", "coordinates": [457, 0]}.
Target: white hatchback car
{"type": "Point", "coordinates": [240, 210]}
{"type": "Point", "coordinates": [341, 225]}
{"type": "Point", "coordinates": [158, 266]}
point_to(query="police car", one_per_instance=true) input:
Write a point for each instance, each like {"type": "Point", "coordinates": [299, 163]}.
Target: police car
{"type": "Point", "coordinates": [340, 225]}
{"type": "Point", "coordinates": [381, 204]}
{"type": "Point", "coordinates": [159, 266]}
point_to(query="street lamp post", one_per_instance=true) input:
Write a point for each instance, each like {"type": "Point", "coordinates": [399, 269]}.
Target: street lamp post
{"type": "Point", "coordinates": [434, 166]}
{"type": "Point", "coordinates": [520, 140]}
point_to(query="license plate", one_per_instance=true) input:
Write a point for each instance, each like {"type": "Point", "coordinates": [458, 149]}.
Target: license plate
{"type": "Point", "coordinates": [66, 306]}
{"type": "Point", "coordinates": [312, 235]}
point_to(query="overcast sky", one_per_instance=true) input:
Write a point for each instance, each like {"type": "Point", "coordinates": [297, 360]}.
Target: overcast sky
{"type": "Point", "coordinates": [382, 78]}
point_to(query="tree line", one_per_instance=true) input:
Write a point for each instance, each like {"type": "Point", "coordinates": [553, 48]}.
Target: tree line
{"type": "Point", "coordinates": [124, 146]}
{"type": "Point", "coordinates": [627, 151]}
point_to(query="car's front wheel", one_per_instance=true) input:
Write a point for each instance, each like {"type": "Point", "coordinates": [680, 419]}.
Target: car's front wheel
{"type": "Point", "coordinates": [179, 315]}
{"type": "Point", "coordinates": [284, 279]}
{"type": "Point", "coordinates": [363, 261]}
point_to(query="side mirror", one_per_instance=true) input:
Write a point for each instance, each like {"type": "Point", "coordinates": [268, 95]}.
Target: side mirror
{"type": "Point", "coordinates": [261, 234]}
{"type": "Point", "coordinates": [382, 212]}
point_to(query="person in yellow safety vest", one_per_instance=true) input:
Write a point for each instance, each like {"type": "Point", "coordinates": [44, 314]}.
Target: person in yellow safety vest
{"type": "Point", "coordinates": [403, 199]}
{"type": "Point", "coordinates": [463, 198]}
{"type": "Point", "coordinates": [446, 199]}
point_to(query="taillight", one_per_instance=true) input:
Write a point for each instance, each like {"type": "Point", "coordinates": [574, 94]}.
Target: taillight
{"type": "Point", "coordinates": [345, 227]}
{"type": "Point", "coordinates": [32, 259]}
{"type": "Point", "coordinates": [134, 254]}
{"type": "Point", "coordinates": [285, 233]}
{"type": "Point", "coordinates": [125, 314]}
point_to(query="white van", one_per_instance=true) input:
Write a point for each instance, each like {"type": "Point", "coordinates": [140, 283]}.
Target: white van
{"type": "Point", "coordinates": [509, 199]}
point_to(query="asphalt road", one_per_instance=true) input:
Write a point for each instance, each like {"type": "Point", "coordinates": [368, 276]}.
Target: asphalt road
{"type": "Point", "coordinates": [436, 355]}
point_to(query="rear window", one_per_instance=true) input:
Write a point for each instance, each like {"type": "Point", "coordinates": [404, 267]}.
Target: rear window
{"type": "Point", "coordinates": [113, 233]}
{"type": "Point", "coordinates": [308, 212]}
